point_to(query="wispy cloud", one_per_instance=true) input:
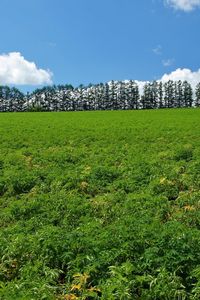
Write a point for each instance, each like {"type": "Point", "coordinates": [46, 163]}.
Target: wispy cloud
{"type": "Point", "coordinates": [157, 50]}
{"type": "Point", "coordinates": [185, 5]}
{"type": "Point", "coordinates": [15, 69]}
{"type": "Point", "coordinates": [168, 62]}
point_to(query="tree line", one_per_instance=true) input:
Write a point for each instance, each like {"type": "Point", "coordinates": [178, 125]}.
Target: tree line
{"type": "Point", "coordinates": [113, 95]}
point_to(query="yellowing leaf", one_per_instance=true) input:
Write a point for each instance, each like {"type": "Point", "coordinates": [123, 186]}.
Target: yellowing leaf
{"type": "Point", "coordinates": [76, 287]}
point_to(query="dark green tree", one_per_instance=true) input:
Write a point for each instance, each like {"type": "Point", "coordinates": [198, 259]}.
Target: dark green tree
{"type": "Point", "coordinates": [169, 94]}
{"type": "Point", "coordinates": [197, 95]}
{"type": "Point", "coordinates": [187, 94]}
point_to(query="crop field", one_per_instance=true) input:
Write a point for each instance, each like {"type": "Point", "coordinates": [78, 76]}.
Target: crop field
{"type": "Point", "coordinates": [100, 205]}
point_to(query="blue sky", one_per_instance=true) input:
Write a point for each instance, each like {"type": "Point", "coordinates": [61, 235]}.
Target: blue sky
{"type": "Point", "coordinates": [91, 41]}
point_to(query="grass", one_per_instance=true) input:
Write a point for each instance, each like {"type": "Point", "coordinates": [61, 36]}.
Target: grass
{"type": "Point", "coordinates": [100, 205]}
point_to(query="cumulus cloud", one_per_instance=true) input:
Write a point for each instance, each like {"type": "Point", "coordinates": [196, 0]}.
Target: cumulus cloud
{"type": "Point", "coordinates": [193, 77]}
{"type": "Point", "coordinates": [15, 69]}
{"type": "Point", "coordinates": [185, 5]}
{"type": "Point", "coordinates": [183, 74]}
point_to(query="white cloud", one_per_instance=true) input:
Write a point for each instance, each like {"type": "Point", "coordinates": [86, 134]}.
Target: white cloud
{"type": "Point", "coordinates": [157, 50]}
{"type": "Point", "coordinates": [15, 69]}
{"type": "Point", "coordinates": [179, 74]}
{"type": "Point", "coordinates": [185, 5]}
{"type": "Point", "coordinates": [183, 74]}
{"type": "Point", "coordinates": [167, 62]}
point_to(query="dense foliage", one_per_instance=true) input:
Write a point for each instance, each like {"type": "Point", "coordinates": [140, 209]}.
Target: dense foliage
{"type": "Point", "coordinates": [114, 95]}
{"type": "Point", "coordinates": [100, 205]}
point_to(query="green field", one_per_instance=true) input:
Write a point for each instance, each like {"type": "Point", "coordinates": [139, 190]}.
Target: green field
{"type": "Point", "coordinates": [100, 205]}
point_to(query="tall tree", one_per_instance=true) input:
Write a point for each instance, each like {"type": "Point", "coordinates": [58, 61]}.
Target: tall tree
{"type": "Point", "coordinates": [106, 96]}
{"type": "Point", "coordinates": [169, 94]}
{"type": "Point", "coordinates": [112, 96]}
{"type": "Point", "coordinates": [133, 95]}
{"type": "Point", "coordinates": [179, 99]}
{"type": "Point", "coordinates": [197, 95]}
{"type": "Point", "coordinates": [121, 95]}
{"type": "Point", "coordinates": [155, 93]}
{"type": "Point", "coordinates": [17, 100]}
{"type": "Point", "coordinates": [160, 95]}
{"type": "Point", "coordinates": [187, 94]}
{"type": "Point", "coordinates": [148, 99]}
